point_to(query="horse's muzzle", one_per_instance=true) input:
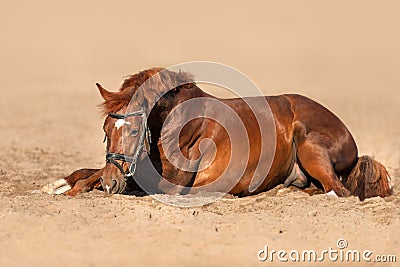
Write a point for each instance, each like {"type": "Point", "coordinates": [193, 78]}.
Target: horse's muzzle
{"type": "Point", "coordinates": [113, 186]}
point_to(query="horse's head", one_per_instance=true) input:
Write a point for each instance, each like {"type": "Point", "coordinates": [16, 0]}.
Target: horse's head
{"type": "Point", "coordinates": [127, 136]}
{"type": "Point", "coordinates": [125, 126]}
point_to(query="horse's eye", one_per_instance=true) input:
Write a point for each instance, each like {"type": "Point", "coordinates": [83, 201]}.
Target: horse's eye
{"type": "Point", "coordinates": [105, 138]}
{"type": "Point", "coordinates": [134, 132]}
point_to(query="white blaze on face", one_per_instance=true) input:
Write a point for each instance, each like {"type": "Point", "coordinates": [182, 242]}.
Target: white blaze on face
{"type": "Point", "coordinates": [119, 123]}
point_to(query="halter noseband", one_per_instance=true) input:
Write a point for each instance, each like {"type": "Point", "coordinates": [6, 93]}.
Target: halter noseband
{"type": "Point", "coordinates": [145, 135]}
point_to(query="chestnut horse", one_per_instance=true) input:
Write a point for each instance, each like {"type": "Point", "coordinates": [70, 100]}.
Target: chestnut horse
{"type": "Point", "coordinates": [312, 144]}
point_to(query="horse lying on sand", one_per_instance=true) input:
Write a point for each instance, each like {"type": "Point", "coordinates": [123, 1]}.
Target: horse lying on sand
{"type": "Point", "coordinates": [313, 146]}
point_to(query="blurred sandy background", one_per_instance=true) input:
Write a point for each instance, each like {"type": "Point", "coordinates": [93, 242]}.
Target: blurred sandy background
{"type": "Point", "coordinates": [344, 54]}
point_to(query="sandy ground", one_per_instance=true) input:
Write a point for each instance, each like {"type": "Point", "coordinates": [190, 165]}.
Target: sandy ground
{"type": "Point", "coordinates": [345, 55]}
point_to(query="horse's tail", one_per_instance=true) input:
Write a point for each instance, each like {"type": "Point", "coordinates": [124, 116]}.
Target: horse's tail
{"type": "Point", "coordinates": [369, 178]}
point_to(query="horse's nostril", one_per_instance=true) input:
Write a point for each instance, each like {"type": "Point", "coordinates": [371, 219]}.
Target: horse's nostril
{"type": "Point", "coordinates": [114, 184]}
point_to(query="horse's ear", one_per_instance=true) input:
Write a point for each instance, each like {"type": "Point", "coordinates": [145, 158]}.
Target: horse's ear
{"type": "Point", "coordinates": [104, 93]}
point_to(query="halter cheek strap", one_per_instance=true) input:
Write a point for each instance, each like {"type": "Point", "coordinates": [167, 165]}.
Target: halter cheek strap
{"type": "Point", "coordinates": [145, 135]}
{"type": "Point", "coordinates": [113, 157]}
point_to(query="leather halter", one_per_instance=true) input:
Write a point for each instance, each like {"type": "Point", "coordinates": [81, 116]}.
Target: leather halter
{"type": "Point", "coordinates": [145, 135]}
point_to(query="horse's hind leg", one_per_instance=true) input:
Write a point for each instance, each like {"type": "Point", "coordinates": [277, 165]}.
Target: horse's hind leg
{"type": "Point", "coordinates": [316, 163]}
{"type": "Point", "coordinates": [63, 185]}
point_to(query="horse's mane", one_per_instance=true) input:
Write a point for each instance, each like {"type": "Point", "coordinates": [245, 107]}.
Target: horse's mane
{"type": "Point", "coordinates": [164, 79]}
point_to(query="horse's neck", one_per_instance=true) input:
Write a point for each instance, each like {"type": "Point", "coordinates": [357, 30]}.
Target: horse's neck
{"type": "Point", "coordinates": [166, 104]}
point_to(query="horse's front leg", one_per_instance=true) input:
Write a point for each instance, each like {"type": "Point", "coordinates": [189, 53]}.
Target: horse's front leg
{"type": "Point", "coordinates": [61, 186]}
{"type": "Point", "coordinates": [86, 185]}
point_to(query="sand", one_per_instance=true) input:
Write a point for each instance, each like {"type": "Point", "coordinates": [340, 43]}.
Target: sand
{"type": "Point", "coordinates": [344, 55]}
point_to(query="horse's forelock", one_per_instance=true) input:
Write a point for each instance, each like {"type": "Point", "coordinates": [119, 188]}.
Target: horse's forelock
{"type": "Point", "coordinates": [116, 102]}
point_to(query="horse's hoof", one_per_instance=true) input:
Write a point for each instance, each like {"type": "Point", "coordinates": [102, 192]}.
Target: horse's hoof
{"type": "Point", "coordinates": [57, 188]}
{"type": "Point", "coordinates": [331, 194]}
